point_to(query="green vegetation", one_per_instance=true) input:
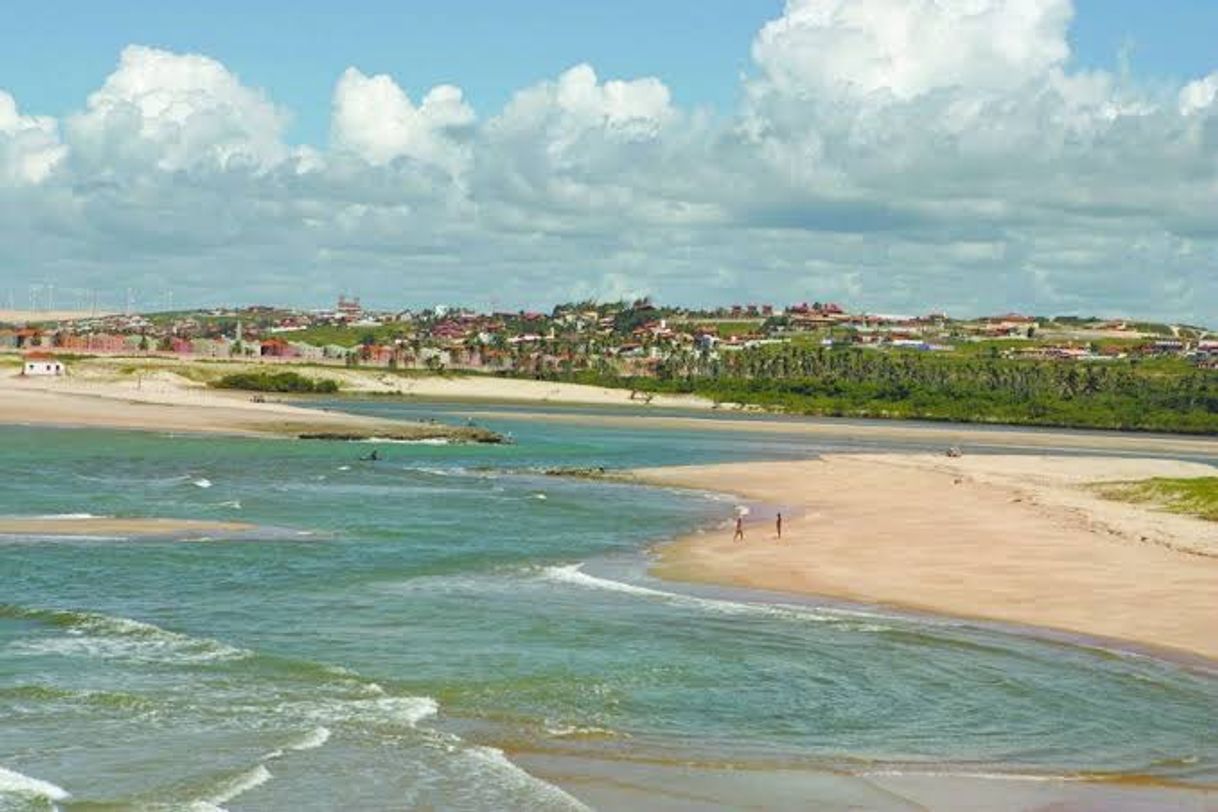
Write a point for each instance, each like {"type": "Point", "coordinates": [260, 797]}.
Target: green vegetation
{"type": "Point", "coordinates": [799, 379]}
{"type": "Point", "coordinates": [324, 335]}
{"type": "Point", "coordinates": [1195, 497]}
{"type": "Point", "coordinates": [276, 382]}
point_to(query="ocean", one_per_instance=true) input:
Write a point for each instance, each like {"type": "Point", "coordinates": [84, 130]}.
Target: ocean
{"type": "Point", "coordinates": [395, 633]}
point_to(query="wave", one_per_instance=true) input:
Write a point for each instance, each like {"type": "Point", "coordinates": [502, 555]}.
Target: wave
{"type": "Point", "coordinates": [49, 693]}
{"type": "Point", "coordinates": [573, 574]}
{"type": "Point", "coordinates": [312, 740]}
{"type": "Point", "coordinates": [424, 441]}
{"type": "Point", "coordinates": [201, 482]}
{"type": "Point", "coordinates": [68, 516]}
{"type": "Point", "coordinates": [454, 471]}
{"type": "Point", "coordinates": [237, 785]}
{"type": "Point", "coordinates": [543, 795]}
{"type": "Point", "coordinates": [577, 732]}
{"type": "Point", "coordinates": [403, 710]}
{"type": "Point", "coordinates": [15, 783]}
{"type": "Point", "coordinates": [92, 634]}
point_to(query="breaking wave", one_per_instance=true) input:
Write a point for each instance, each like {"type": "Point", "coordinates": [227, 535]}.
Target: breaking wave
{"type": "Point", "coordinates": [574, 575]}
{"type": "Point", "coordinates": [92, 634]}
{"type": "Point", "coordinates": [24, 786]}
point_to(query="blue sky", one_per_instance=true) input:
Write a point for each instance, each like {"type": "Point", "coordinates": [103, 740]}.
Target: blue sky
{"type": "Point", "coordinates": [1051, 156]}
{"type": "Point", "coordinates": [52, 53]}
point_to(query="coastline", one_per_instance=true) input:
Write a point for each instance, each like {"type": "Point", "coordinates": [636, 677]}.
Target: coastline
{"type": "Point", "coordinates": [611, 783]}
{"type": "Point", "coordinates": [168, 402]}
{"type": "Point", "coordinates": [869, 430]}
{"type": "Point", "coordinates": [1009, 539]}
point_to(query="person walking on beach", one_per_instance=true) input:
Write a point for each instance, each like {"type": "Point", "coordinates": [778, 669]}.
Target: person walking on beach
{"type": "Point", "coordinates": [739, 536]}
{"type": "Point", "coordinates": [778, 526]}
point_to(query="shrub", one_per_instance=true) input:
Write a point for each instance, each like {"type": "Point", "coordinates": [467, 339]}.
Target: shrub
{"type": "Point", "coordinates": [276, 382]}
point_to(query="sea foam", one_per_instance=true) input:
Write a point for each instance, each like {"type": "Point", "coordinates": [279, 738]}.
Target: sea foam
{"type": "Point", "coordinates": [573, 574]}
{"type": "Point", "coordinates": [543, 794]}
{"type": "Point", "coordinates": [402, 710]}
{"type": "Point", "coordinates": [239, 784]}
{"type": "Point", "coordinates": [15, 783]}
{"type": "Point", "coordinates": [91, 634]}
{"type": "Point", "coordinates": [312, 740]}
{"type": "Point", "coordinates": [70, 516]}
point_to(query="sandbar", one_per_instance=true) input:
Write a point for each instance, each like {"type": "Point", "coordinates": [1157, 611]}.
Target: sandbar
{"type": "Point", "coordinates": [100, 526]}
{"type": "Point", "coordinates": [165, 401]}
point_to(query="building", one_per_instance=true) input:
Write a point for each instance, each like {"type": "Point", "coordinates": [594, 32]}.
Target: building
{"type": "Point", "coordinates": [42, 364]}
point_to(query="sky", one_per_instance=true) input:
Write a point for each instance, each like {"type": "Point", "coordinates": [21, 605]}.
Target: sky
{"type": "Point", "coordinates": [898, 155]}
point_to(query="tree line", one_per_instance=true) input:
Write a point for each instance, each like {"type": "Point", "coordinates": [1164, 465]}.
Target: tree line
{"type": "Point", "coordinates": [814, 380]}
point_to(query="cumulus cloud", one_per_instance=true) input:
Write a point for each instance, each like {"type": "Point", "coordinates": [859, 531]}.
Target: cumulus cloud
{"type": "Point", "coordinates": [177, 112]}
{"type": "Point", "coordinates": [1200, 95]}
{"type": "Point", "coordinates": [29, 145]}
{"type": "Point", "coordinates": [907, 48]}
{"type": "Point", "coordinates": [374, 119]}
{"type": "Point", "coordinates": [899, 154]}
{"type": "Point", "coordinates": [577, 147]}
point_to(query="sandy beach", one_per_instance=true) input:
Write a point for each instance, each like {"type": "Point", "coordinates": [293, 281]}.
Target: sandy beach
{"type": "Point", "coordinates": [1015, 539]}
{"type": "Point", "coordinates": [882, 431]}
{"type": "Point", "coordinates": [624, 785]}
{"type": "Point", "coordinates": [162, 400]}
{"type": "Point", "coordinates": [164, 377]}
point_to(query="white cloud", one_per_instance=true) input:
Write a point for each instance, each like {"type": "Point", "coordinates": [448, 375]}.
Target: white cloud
{"type": "Point", "coordinates": [1199, 95]}
{"type": "Point", "coordinates": [375, 119]}
{"type": "Point", "coordinates": [177, 112]}
{"type": "Point", "coordinates": [576, 147]}
{"type": "Point", "coordinates": [577, 104]}
{"type": "Point", "coordinates": [907, 48]}
{"type": "Point", "coordinates": [899, 154]}
{"type": "Point", "coordinates": [29, 145]}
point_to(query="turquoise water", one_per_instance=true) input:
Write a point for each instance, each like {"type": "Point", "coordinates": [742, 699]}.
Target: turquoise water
{"type": "Point", "coordinates": [388, 623]}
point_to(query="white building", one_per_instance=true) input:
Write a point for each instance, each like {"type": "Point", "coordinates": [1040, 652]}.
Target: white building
{"type": "Point", "coordinates": [42, 365]}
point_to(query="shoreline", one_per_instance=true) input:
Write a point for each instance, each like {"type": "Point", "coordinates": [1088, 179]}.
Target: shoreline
{"type": "Point", "coordinates": [1052, 556]}
{"type": "Point", "coordinates": [167, 402]}
{"type": "Point", "coordinates": [868, 430]}
{"type": "Point", "coordinates": [612, 782]}
{"type": "Point", "coordinates": [180, 382]}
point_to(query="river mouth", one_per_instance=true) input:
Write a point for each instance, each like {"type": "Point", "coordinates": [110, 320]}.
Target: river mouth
{"type": "Point", "coordinates": [466, 618]}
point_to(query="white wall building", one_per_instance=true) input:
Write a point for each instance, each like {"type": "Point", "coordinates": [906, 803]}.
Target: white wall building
{"type": "Point", "coordinates": [42, 365]}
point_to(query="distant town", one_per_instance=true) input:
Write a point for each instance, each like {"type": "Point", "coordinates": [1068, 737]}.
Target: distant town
{"type": "Point", "coordinates": [625, 338]}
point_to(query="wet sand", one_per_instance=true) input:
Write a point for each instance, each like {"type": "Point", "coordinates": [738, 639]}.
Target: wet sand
{"type": "Point", "coordinates": [1019, 540]}
{"type": "Point", "coordinates": [625, 785]}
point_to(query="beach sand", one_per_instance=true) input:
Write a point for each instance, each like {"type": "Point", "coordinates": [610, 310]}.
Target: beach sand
{"type": "Point", "coordinates": [112, 527]}
{"type": "Point", "coordinates": [166, 375]}
{"type": "Point", "coordinates": [165, 401]}
{"type": "Point", "coordinates": [885, 431]}
{"type": "Point", "coordinates": [624, 785]}
{"type": "Point", "coordinates": [1014, 539]}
